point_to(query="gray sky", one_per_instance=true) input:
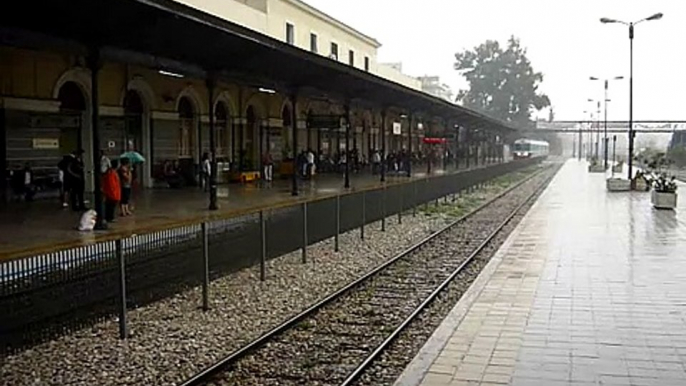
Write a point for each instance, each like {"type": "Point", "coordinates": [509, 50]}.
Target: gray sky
{"type": "Point", "coordinates": [564, 38]}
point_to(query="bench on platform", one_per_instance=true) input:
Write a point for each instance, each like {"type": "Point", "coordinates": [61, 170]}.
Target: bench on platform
{"type": "Point", "coordinates": [244, 177]}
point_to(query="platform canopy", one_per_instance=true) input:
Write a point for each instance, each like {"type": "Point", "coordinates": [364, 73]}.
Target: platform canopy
{"type": "Point", "coordinates": [167, 35]}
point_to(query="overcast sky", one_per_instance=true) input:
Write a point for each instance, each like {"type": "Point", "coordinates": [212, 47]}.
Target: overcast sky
{"type": "Point", "coordinates": [564, 38]}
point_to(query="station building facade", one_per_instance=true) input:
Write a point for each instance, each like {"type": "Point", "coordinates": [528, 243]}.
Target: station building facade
{"type": "Point", "coordinates": [46, 105]}
{"type": "Point", "coordinates": [299, 24]}
{"type": "Point", "coordinates": [45, 98]}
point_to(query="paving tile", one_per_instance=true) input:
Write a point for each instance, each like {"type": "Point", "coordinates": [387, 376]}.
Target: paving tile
{"type": "Point", "coordinates": [589, 290]}
{"type": "Point", "coordinates": [497, 378]}
{"type": "Point", "coordinates": [494, 369]}
{"type": "Point", "coordinates": [443, 369]}
{"type": "Point", "coordinates": [468, 376]}
{"type": "Point", "coordinates": [436, 379]}
{"type": "Point", "coordinates": [460, 382]}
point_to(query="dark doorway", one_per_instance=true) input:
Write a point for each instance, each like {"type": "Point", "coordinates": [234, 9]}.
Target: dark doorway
{"type": "Point", "coordinates": [133, 130]}
{"type": "Point", "coordinates": [187, 133]}
{"type": "Point", "coordinates": [221, 130]}
{"type": "Point", "coordinates": [72, 101]}
{"type": "Point", "coordinates": [250, 148]}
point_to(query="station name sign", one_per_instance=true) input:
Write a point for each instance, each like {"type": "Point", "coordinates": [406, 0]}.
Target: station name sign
{"type": "Point", "coordinates": [330, 121]}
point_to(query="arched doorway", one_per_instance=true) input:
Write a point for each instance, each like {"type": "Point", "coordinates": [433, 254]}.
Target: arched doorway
{"type": "Point", "coordinates": [186, 139]}
{"type": "Point", "coordinates": [221, 130]}
{"type": "Point", "coordinates": [186, 128]}
{"type": "Point", "coordinates": [287, 132]}
{"type": "Point", "coordinates": [250, 148]}
{"type": "Point", "coordinates": [133, 128]}
{"type": "Point", "coordinates": [72, 102]}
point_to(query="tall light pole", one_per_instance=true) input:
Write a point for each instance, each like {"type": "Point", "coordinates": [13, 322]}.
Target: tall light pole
{"type": "Point", "coordinates": [589, 146]}
{"type": "Point", "coordinates": [631, 25]}
{"type": "Point", "coordinates": [597, 130]}
{"type": "Point", "coordinates": [585, 127]}
{"type": "Point", "coordinates": [605, 139]}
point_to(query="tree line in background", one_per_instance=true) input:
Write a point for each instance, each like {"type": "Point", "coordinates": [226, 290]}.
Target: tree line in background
{"type": "Point", "coordinates": [502, 82]}
{"type": "Point", "coordinates": [504, 85]}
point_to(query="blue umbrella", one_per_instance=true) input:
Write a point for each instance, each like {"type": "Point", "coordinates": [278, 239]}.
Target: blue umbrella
{"type": "Point", "coordinates": [133, 156]}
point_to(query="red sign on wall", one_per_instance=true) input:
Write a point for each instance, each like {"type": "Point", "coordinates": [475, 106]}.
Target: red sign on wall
{"type": "Point", "coordinates": [434, 141]}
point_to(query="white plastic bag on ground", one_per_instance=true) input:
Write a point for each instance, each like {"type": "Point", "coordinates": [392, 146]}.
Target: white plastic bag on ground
{"type": "Point", "coordinates": [87, 222]}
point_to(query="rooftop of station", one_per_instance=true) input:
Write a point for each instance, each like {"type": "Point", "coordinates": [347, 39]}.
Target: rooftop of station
{"type": "Point", "coordinates": [164, 34]}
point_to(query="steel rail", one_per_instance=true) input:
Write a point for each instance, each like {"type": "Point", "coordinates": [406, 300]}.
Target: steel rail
{"type": "Point", "coordinates": [206, 374]}
{"type": "Point", "coordinates": [380, 349]}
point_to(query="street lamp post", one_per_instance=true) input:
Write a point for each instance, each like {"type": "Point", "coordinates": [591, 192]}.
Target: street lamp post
{"type": "Point", "coordinates": [606, 140]}
{"type": "Point", "coordinates": [614, 157]}
{"type": "Point", "coordinates": [597, 131]}
{"type": "Point", "coordinates": [580, 143]}
{"type": "Point", "coordinates": [589, 127]}
{"type": "Point", "coordinates": [631, 25]}
{"type": "Point", "coordinates": [584, 126]}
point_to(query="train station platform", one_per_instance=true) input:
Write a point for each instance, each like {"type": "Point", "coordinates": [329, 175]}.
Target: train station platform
{"type": "Point", "coordinates": [590, 289]}
{"type": "Point", "coordinates": [40, 226]}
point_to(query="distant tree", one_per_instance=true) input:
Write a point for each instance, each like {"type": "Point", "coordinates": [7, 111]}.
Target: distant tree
{"type": "Point", "coordinates": [502, 82]}
{"type": "Point", "coordinates": [677, 155]}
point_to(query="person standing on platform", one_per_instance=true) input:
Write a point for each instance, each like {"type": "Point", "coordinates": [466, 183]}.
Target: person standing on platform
{"type": "Point", "coordinates": [126, 181]}
{"type": "Point", "coordinates": [268, 165]}
{"type": "Point", "coordinates": [75, 178]}
{"type": "Point", "coordinates": [310, 163]}
{"type": "Point", "coordinates": [105, 163]}
{"type": "Point", "coordinates": [376, 162]}
{"type": "Point", "coordinates": [29, 189]}
{"type": "Point", "coordinates": [111, 190]}
{"type": "Point", "coordinates": [206, 169]}
{"type": "Point", "coordinates": [64, 178]}
{"type": "Point", "coordinates": [301, 162]}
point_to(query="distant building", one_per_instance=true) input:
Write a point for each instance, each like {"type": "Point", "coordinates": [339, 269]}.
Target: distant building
{"type": "Point", "coordinates": [394, 72]}
{"type": "Point", "coordinates": [432, 85]}
{"type": "Point", "coordinates": [678, 139]}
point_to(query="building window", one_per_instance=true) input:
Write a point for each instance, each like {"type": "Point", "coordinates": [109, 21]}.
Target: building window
{"type": "Point", "coordinates": [334, 51]}
{"type": "Point", "coordinates": [290, 33]}
{"type": "Point", "coordinates": [351, 58]}
{"type": "Point", "coordinates": [313, 43]}
{"type": "Point", "coordinates": [366, 63]}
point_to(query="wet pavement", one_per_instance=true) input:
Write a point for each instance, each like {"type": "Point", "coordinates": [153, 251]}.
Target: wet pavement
{"type": "Point", "coordinates": [43, 225]}
{"type": "Point", "coordinates": [590, 289]}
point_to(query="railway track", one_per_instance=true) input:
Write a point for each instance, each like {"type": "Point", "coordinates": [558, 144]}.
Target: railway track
{"type": "Point", "coordinates": [335, 341]}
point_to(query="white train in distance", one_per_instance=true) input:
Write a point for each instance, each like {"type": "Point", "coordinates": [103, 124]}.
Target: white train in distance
{"type": "Point", "coordinates": [529, 148]}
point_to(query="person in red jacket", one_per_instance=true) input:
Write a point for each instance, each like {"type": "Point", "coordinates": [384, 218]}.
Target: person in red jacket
{"type": "Point", "coordinates": [111, 190]}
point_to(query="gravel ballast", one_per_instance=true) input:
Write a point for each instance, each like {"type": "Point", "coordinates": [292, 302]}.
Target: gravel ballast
{"type": "Point", "coordinates": [173, 339]}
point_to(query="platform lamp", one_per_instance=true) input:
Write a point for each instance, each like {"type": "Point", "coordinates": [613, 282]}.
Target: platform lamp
{"type": "Point", "coordinates": [631, 25]}
{"type": "Point", "coordinates": [584, 127]}
{"type": "Point", "coordinates": [588, 127]}
{"type": "Point", "coordinates": [614, 157]}
{"type": "Point", "coordinates": [606, 139]}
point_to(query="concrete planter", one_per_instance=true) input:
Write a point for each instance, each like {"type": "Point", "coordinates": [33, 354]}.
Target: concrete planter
{"type": "Point", "coordinates": [618, 185]}
{"type": "Point", "coordinates": [598, 168]}
{"type": "Point", "coordinates": [641, 185]}
{"type": "Point", "coordinates": [662, 200]}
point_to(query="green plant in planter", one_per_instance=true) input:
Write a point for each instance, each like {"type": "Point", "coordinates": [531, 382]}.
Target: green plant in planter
{"type": "Point", "coordinates": [664, 184]}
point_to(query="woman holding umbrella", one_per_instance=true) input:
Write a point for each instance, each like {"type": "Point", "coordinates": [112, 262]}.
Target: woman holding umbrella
{"type": "Point", "coordinates": [126, 177]}
{"type": "Point", "coordinates": [127, 160]}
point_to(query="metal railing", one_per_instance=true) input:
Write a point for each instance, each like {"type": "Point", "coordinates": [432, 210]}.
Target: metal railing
{"type": "Point", "coordinates": [51, 294]}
